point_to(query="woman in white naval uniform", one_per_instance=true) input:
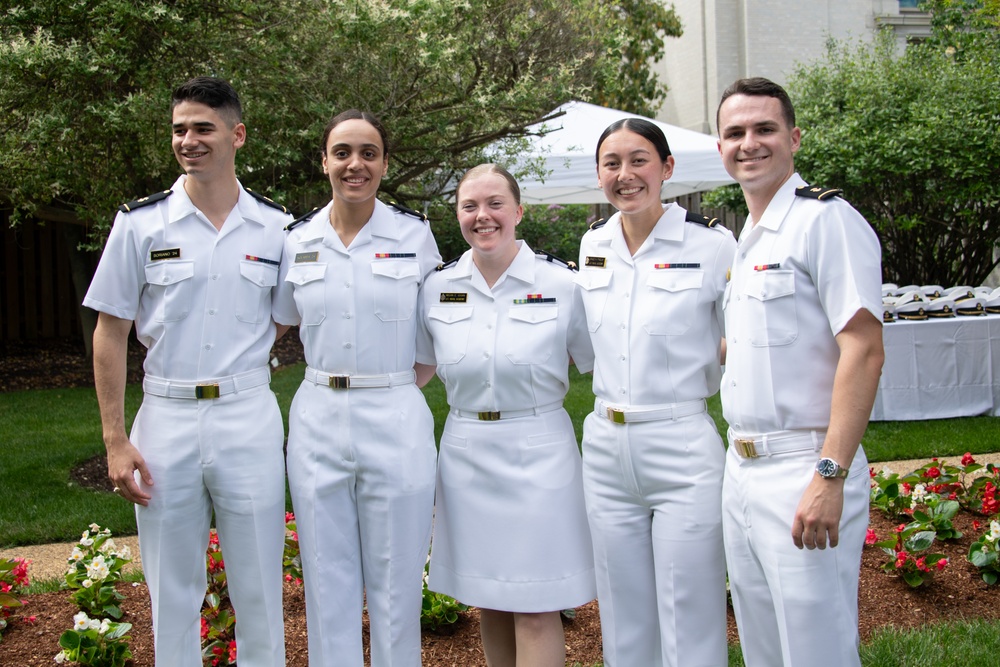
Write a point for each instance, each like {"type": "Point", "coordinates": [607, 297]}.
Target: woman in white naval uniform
{"type": "Point", "coordinates": [361, 453]}
{"type": "Point", "coordinates": [510, 529]}
{"type": "Point", "coordinates": [652, 282]}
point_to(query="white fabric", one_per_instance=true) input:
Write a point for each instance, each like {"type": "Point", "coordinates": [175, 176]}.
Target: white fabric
{"type": "Point", "coordinates": [653, 488]}
{"type": "Point", "coordinates": [510, 529]}
{"type": "Point", "coordinates": [206, 313]}
{"type": "Point", "coordinates": [799, 275]}
{"type": "Point", "coordinates": [793, 606]}
{"type": "Point", "coordinates": [567, 151]}
{"type": "Point", "coordinates": [656, 331]}
{"type": "Point", "coordinates": [360, 461]}
{"type": "Point", "coordinates": [942, 368]}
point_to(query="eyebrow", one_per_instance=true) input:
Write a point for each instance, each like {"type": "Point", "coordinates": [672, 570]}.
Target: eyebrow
{"type": "Point", "coordinates": [200, 123]}
{"type": "Point", "coordinates": [637, 151]}
{"type": "Point", "coordinates": [740, 126]}
{"type": "Point", "coordinates": [344, 145]}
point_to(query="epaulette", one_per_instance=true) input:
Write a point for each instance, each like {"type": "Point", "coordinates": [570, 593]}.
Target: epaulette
{"type": "Point", "coordinates": [700, 219]}
{"type": "Point", "coordinates": [816, 192]}
{"type": "Point", "coordinates": [549, 257]}
{"type": "Point", "coordinates": [267, 201]}
{"type": "Point", "coordinates": [145, 201]}
{"type": "Point", "coordinates": [408, 211]}
{"type": "Point", "coordinates": [448, 265]}
{"type": "Point", "coordinates": [597, 224]}
{"type": "Point", "coordinates": [305, 218]}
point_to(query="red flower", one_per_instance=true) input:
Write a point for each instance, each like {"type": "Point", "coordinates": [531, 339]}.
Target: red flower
{"type": "Point", "coordinates": [967, 459]}
{"type": "Point", "coordinates": [30, 619]}
{"type": "Point", "coordinates": [922, 564]}
{"type": "Point", "coordinates": [933, 472]}
{"type": "Point", "coordinates": [901, 527]}
{"type": "Point", "coordinates": [289, 517]}
{"type": "Point", "coordinates": [204, 627]}
{"type": "Point", "coordinates": [4, 587]}
{"type": "Point", "coordinates": [941, 564]}
{"type": "Point", "coordinates": [906, 488]}
{"type": "Point", "coordinates": [976, 525]}
{"type": "Point", "coordinates": [952, 496]}
{"type": "Point", "coordinates": [232, 651]}
{"type": "Point", "coordinates": [901, 559]}
{"type": "Point", "coordinates": [871, 472]}
{"type": "Point", "coordinates": [870, 537]}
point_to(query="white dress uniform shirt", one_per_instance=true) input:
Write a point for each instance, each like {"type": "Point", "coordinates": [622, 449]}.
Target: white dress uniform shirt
{"type": "Point", "coordinates": [322, 284]}
{"type": "Point", "coordinates": [641, 309]}
{"type": "Point", "coordinates": [167, 267]}
{"type": "Point", "coordinates": [507, 361]}
{"type": "Point", "coordinates": [799, 275]}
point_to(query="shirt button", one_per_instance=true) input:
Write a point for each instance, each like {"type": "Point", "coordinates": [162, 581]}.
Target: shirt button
{"type": "Point", "coordinates": [211, 311]}
{"type": "Point", "coordinates": [489, 326]}
{"type": "Point", "coordinates": [208, 347]}
{"type": "Point", "coordinates": [622, 357]}
{"type": "Point", "coordinates": [622, 391]}
{"type": "Point", "coordinates": [347, 316]}
{"type": "Point", "coordinates": [215, 276]}
{"type": "Point", "coordinates": [347, 345]}
{"type": "Point", "coordinates": [486, 355]}
{"type": "Point", "coordinates": [347, 284]}
{"type": "Point", "coordinates": [487, 384]}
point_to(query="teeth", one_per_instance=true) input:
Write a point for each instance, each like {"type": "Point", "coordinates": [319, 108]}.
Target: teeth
{"type": "Point", "coordinates": [629, 191]}
{"type": "Point", "coordinates": [486, 230]}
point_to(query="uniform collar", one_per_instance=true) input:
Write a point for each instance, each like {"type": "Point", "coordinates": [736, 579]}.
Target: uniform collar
{"type": "Point", "coordinates": [777, 209]}
{"type": "Point", "coordinates": [179, 205]}
{"type": "Point", "coordinates": [522, 267]}
{"type": "Point", "coordinates": [382, 224]}
{"type": "Point", "coordinates": [670, 227]}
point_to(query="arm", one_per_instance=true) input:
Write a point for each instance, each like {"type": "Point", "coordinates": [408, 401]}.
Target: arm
{"type": "Point", "coordinates": [424, 373]}
{"type": "Point", "coordinates": [110, 347]}
{"type": "Point", "coordinates": [280, 330]}
{"type": "Point", "coordinates": [817, 518]}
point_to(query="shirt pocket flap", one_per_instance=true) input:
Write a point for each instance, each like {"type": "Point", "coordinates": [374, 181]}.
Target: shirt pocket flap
{"type": "Point", "coordinates": [534, 314]}
{"type": "Point", "coordinates": [449, 314]}
{"type": "Point", "coordinates": [770, 284]}
{"type": "Point", "coordinates": [589, 280]}
{"type": "Point", "coordinates": [169, 272]}
{"type": "Point", "coordinates": [300, 274]}
{"type": "Point", "coordinates": [397, 269]}
{"type": "Point", "coordinates": [673, 280]}
{"type": "Point", "coordinates": [259, 273]}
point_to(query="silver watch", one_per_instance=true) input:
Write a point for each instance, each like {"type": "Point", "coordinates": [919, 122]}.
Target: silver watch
{"type": "Point", "coordinates": [830, 469]}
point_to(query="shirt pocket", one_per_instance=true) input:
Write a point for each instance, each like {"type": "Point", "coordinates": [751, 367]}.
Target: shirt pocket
{"type": "Point", "coordinates": [253, 295]}
{"type": "Point", "coordinates": [449, 327]}
{"type": "Point", "coordinates": [395, 288]}
{"type": "Point", "coordinates": [673, 304]}
{"type": "Point", "coordinates": [171, 288]}
{"type": "Point", "coordinates": [309, 291]}
{"type": "Point", "coordinates": [532, 332]}
{"type": "Point", "coordinates": [595, 286]}
{"type": "Point", "coordinates": [771, 308]}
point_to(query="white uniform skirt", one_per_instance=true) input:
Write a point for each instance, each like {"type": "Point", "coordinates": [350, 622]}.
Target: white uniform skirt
{"type": "Point", "coordinates": [510, 527]}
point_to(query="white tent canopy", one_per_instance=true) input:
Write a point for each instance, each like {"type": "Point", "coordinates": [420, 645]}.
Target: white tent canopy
{"type": "Point", "coordinates": [568, 152]}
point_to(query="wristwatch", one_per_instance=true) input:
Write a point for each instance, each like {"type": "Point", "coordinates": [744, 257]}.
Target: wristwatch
{"type": "Point", "coordinates": [830, 469]}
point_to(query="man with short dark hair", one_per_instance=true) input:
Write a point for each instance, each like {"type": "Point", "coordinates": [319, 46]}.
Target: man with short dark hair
{"type": "Point", "coordinates": [193, 267]}
{"type": "Point", "coordinates": [804, 354]}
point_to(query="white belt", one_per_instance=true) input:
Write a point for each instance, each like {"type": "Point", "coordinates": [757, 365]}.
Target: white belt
{"type": "Point", "coordinates": [360, 381]}
{"type": "Point", "coordinates": [506, 414]}
{"type": "Point", "coordinates": [779, 442]}
{"type": "Point", "coordinates": [208, 388]}
{"type": "Point", "coordinates": [648, 413]}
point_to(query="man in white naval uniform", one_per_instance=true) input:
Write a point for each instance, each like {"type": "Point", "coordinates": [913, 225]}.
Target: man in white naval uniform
{"type": "Point", "coordinates": [804, 354]}
{"type": "Point", "coordinates": [193, 267]}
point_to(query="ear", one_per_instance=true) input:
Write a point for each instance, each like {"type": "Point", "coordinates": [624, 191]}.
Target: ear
{"type": "Point", "coordinates": [385, 166]}
{"type": "Point", "coordinates": [239, 135]}
{"type": "Point", "coordinates": [796, 139]}
{"type": "Point", "coordinates": [520, 215]}
{"type": "Point", "coordinates": [325, 170]}
{"type": "Point", "coordinates": [668, 168]}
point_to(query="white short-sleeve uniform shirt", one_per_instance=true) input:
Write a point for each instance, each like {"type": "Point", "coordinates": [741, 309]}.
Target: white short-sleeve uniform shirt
{"type": "Point", "coordinates": [799, 275]}
{"type": "Point", "coordinates": [656, 317]}
{"type": "Point", "coordinates": [356, 307]}
{"type": "Point", "coordinates": [200, 298]}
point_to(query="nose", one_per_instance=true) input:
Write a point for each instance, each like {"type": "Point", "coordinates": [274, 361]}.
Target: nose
{"type": "Point", "coordinates": [355, 162]}
{"type": "Point", "coordinates": [749, 142]}
{"type": "Point", "coordinates": [625, 173]}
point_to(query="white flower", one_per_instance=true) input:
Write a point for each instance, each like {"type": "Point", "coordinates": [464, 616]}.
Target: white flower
{"type": "Point", "coordinates": [97, 569]}
{"type": "Point", "coordinates": [86, 540]}
{"type": "Point", "coordinates": [94, 528]}
{"type": "Point", "coordinates": [77, 554]}
{"type": "Point", "coordinates": [95, 624]}
{"type": "Point", "coordinates": [81, 621]}
{"type": "Point", "coordinates": [87, 583]}
{"type": "Point", "coordinates": [125, 553]}
{"type": "Point", "coordinates": [60, 657]}
{"type": "Point", "coordinates": [918, 495]}
{"type": "Point", "coordinates": [107, 547]}
{"type": "Point", "coordinates": [994, 531]}
{"type": "Point", "coordinates": [105, 624]}
{"type": "Point", "coordinates": [886, 471]}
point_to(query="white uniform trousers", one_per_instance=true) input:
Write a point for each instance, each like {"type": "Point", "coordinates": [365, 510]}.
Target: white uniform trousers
{"type": "Point", "coordinates": [653, 493]}
{"type": "Point", "coordinates": [361, 466]}
{"type": "Point", "coordinates": [793, 606]}
{"type": "Point", "coordinates": [223, 454]}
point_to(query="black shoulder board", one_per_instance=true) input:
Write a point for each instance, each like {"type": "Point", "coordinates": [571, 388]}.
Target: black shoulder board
{"type": "Point", "coordinates": [597, 224]}
{"type": "Point", "coordinates": [816, 192]}
{"type": "Point", "coordinates": [700, 219]}
{"type": "Point", "coordinates": [549, 257]}
{"type": "Point", "coordinates": [267, 201]}
{"type": "Point", "coordinates": [448, 265]}
{"type": "Point", "coordinates": [408, 211]}
{"type": "Point", "coordinates": [145, 201]}
{"type": "Point", "coordinates": [305, 218]}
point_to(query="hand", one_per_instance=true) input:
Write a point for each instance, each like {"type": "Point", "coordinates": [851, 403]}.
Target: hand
{"type": "Point", "coordinates": [123, 460]}
{"type": "Point", "coordinates": [817, 518]}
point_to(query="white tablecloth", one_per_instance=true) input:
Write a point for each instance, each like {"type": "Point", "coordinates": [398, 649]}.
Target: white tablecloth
{"type": "Point", "coordinates": [936, 369]}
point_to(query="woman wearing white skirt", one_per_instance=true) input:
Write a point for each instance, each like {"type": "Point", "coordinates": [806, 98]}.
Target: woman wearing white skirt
{"type": "Point", "coordinates": [501, 324]}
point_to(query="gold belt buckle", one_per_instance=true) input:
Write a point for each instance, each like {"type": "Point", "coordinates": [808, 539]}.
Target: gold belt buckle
{"type": "Point", "coordinates": [206, 391]}
{"type": "Point", "coordinates": [489, 416]}
{"type": "Point", "coordinates": [746, 448]}
{"type": "Point", "coordinates": [340, 381]}
{"type": "Point", "coordinates": [617, 416]}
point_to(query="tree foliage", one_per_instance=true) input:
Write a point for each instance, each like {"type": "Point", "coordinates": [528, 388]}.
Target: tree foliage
{"type": "Point", "coordinates": [912, 139]}
{"type": "Point", "coordinates": [85, 86]}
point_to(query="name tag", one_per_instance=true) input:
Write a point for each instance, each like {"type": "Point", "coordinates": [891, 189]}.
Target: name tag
{"type": "Point", "coordinates": [599, 262]}
{"type": "Point", "coordinates": [454, 297]}
{"type": "Point", "coordinates": [306, 257]}
{"type": "Point", "coordinates": [169, 253]}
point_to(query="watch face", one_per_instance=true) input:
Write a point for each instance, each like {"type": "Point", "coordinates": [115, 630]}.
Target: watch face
{"type": "Point", "coordinates": [826, 467]}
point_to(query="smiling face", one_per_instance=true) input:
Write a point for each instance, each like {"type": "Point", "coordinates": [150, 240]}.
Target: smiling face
{"type": "Point", "coordinates": [203, 142]}
{"type": "Point", "coordinates": [630, 171]}
{"type": "Point", "coordinates": [355, 161]}
{"type": "Point", "coordinates": [488, 214]}
{"type": "Point", "coordinates": [757, 144]}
